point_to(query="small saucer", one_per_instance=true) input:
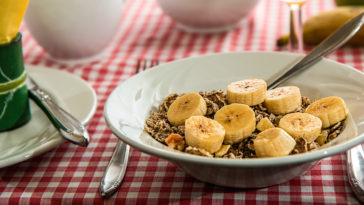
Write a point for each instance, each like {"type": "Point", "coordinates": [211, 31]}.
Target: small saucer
{"type": "Point", "coordinates": [38, 135]}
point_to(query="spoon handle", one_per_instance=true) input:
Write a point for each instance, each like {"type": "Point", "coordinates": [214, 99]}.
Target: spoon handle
{"type": "Point", "coordinates": [331, 43]}
{"type": "Point", "coordinates": [355, 167]}
{"type": "Point", "coordinates": [68, 126]}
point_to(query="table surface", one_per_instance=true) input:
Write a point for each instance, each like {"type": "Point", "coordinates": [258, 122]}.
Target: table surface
{"type": "Point", "coordinates": [146, 33]}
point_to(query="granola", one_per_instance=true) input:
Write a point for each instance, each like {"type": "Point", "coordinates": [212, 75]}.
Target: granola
{"type": "Point", "coordinates": [158, 126]}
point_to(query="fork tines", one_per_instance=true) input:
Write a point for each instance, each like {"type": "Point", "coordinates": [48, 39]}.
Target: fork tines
{"type": "Point", "coordinates": [143, 64]}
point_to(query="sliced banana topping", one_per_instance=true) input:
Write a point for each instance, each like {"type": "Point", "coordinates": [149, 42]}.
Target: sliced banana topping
{"type": "Point", "coordinates": [283, 100]}
{"type": "Point", "coordinates": [282, 126]}
{"type": "Point", "coordinates": [204, 133]}
{"type": "Point", "coordinates": [238, 121]}
{"type": "Point", "coordinates": [322, 138]}
{"type": "Point", "coordinates": [250, 91]}
{"type": "Point", "coordinates": [330, 110]}
{"type": "Point", "coordinates": [301, 125]}
{"type": "Point", "coordinates": [222, 151]}
{"type": "Point", "coordinates": [264, 124]}
{"type": "Point", "coordinates": [273, 142]}
{"type": "Point", "coordinates": [185, 106]}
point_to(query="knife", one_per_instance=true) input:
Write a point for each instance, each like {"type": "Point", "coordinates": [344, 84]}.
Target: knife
{"type": "Point", "coordinates": [68, 126]}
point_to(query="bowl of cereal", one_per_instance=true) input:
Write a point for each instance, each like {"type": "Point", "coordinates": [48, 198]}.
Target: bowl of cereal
{"type": "Point", "coordinates": [213, 117]}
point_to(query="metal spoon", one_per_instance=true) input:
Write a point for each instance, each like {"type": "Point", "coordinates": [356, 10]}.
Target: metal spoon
{"type": "Point", "coordinates": [355, 165]}
{"type": "Point", "coordinates": [334, 41]}
{"type": "Point", "coordinates": [355, 156]}
{"type": "Point", "coordinates": [68, 126]}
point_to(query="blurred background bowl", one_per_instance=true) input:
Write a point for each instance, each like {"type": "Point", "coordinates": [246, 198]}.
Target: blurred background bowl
{"type": "Point", "coordinates": [207, 15]}
{"type": "Point", "coordinates": [73, 31]}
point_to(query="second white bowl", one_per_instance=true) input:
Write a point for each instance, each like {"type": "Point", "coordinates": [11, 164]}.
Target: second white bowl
{"type": "Point", "coordinates": [207, 15]}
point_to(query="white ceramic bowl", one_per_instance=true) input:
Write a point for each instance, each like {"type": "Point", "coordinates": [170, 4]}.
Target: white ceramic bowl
{"type": "Point", "coordinates": [128, 107]}
{"type": "Point", "coordinates": [73, 31]}
{"type": "Point", "coordinates": [207, 15]}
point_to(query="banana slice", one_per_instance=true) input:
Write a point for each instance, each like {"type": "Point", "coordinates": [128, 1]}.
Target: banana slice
{"type": "Point", "coordinates": [185, 106]}
{"type": "Point", "coordinates": [204, 133]}
{"type": "Point", "coordinates": [250, 91]}
{"type": "Point", "coordinates": [264, 124]}
{"type": "Point", "coordinates": [330, 110]}
{"type": "Point", "coordinates": [283, 100]}
{"type": "Point", "coordinates": [322, 138]}
{"type": "Point", "coordinates": [301, 125]}
{"type": "Point", "coordinates": [273, 142]}
{"type": "Point", "coordinates": [238, 121]}
{"type": "Point", "coordinates": [223, 150]}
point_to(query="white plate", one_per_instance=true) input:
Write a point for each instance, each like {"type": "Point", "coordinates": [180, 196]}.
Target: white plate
{"type": "Point", "coordinates": [129, 105]}
{"type": "Point", "coordinates": [38, 135]}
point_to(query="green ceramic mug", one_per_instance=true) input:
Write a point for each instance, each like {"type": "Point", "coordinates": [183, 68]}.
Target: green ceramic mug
{"type": "Point", "coordinates": [14, 101]}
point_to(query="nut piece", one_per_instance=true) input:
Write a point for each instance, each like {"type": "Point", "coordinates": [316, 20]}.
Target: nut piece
{"type": "Point", "coordinates": [175, 141]}
{"type": "Point", "coordinates": [264, 124]}
{"type": "Point", "coordinates": [222, 151]}
{"type": "Point", "coordinates": [198, 151]}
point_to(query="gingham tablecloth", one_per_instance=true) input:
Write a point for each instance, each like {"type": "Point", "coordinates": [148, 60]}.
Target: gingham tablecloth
{"type": "Point", "coordinates": [70, 174]}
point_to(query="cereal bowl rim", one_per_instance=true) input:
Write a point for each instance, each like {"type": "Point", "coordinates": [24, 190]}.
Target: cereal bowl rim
{"type": "Point", "coordinates": [176, 156]}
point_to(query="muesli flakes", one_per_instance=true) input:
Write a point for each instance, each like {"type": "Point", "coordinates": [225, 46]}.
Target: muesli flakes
{"type": "Point", "coordinates": [157, 125]}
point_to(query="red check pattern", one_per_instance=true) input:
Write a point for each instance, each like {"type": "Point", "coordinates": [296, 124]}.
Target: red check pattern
{"type": "Point", "coordinates": [71, 175]}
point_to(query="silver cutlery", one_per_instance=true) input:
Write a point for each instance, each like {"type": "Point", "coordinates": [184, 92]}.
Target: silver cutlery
{"type": "Point", "coordinates": [331, 43]}
{"type": "Point", "coordinates": [355, 167]}
{"type": "Point", "coordinates": [115, 171]}
{"type": "Point", "coordinates": [355, 156]}
{"type": "Point", "coordinates": [68, 126]}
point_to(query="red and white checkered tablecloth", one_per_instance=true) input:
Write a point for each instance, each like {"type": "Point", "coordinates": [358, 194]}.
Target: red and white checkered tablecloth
{"type": "Point", "coordinates": [70, 174]}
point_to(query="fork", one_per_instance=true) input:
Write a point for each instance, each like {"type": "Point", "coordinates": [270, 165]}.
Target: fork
{"type": "Point", "coordinates": [145, 65]}
{"type": "Point", "coordinates": [115, 171]}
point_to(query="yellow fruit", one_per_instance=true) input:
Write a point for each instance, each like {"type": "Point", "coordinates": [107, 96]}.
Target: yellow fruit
{"type": "Point", "coordinates": [330, 110]}
{"type": "Point", "coordinates": [321, 139]}
{"type": "Point", "coordinates": [319, 27]}
{"type": "Point", "coordinates": [283, 100]}
{"type": "Point", "coordinates": [223, 150]}
{"type": "Point", "coordinates": [185, 106]}
{"type": "Point", "coordinates": [238, 121]}
{"type": "Point", "coordinates": [349, 2]}
{"type": "Point", "coordinates": [301, 125]}
{"type": "Point", "coordinates": [249, 91]}
{"type": "Point", "coordinates": [204, 133]}
{"type": "Point", "coordinates": [264, 124]}
{"type": "Point", "coordinates": [273, 142]}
